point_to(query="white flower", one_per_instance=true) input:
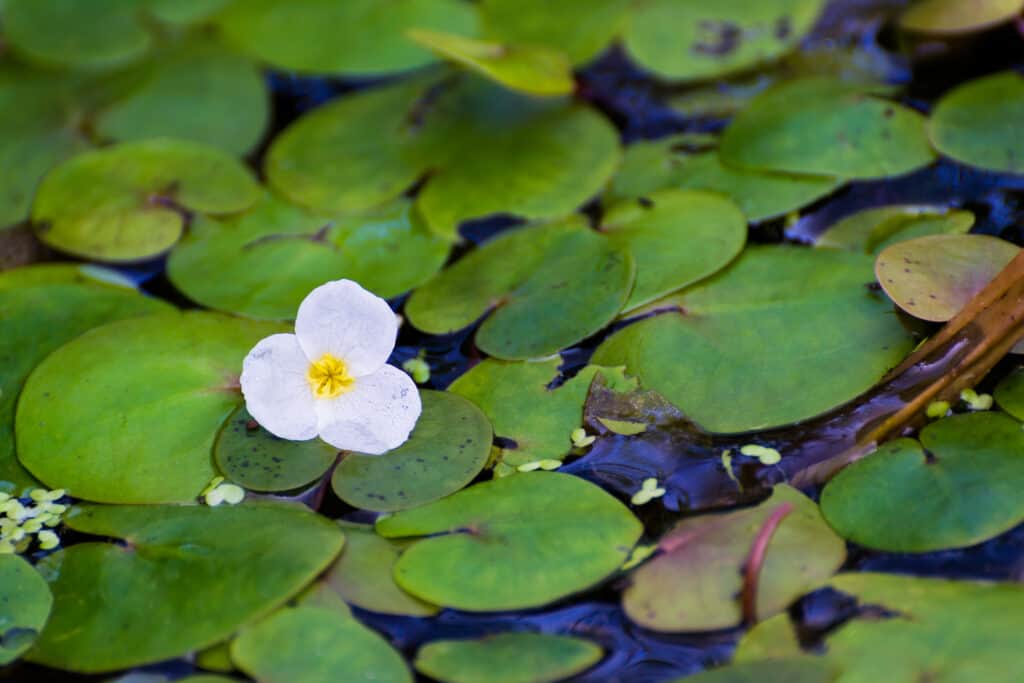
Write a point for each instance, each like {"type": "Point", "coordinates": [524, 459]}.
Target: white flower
{"type": "Point", "coordinates": [331, 377]}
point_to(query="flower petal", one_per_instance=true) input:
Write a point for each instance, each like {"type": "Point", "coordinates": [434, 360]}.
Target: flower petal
{"type": "Point", "coordinates": [350, 323]}
{"type": "Point", "coordinates": [376, 416]}
{"type": "Point", "coordinates": [277, 392]}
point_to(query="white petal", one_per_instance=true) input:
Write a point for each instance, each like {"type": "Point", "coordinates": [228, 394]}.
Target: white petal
{"type": "Point", "coordinates": [376, 416]}
{"type": "Point", "coordinates": [350, 323]}
{"type": "Point", "coordinates": [276, 389]}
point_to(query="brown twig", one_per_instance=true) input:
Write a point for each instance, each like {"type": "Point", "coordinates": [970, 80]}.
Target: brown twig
{"type": "Point", "coordinates": [755, 561]}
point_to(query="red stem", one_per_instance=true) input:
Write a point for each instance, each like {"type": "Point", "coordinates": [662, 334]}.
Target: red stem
{"type": "Point", "coordinates": [755, 561]}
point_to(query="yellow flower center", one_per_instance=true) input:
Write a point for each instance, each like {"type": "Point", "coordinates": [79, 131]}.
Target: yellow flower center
{"type": "Point", "coordinates": [329, 377]}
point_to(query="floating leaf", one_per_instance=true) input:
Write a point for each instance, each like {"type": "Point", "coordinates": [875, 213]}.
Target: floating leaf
{"type": "Point", "coordinates": [41, 308]}
{"type": "Point", "coordinates": [198, 92]}
{"type": "Point", "coordinates": [488, 151]}
{"type": "Point", "coordinates": [138, 422]}
{"type": "Point", "coordinates": [694, 585]}
{"type": "Point", "coordinates": [25, 603]}
{"type": "Point", "coordinates": [507, 658]}
{"type": "Point", "coordinates": [676, 237]}
{"type": "Point", "coordinates": [767, 671]}
{"type": "Point", "coordinates": [932, 278]}
{"type": "Point", "coordinates": [737, 352]}
{"type": "Point", "coordinates": [872, 230]}
{"type": "Point", "coordinates": [1009, 393]}
{"type": "Point", "coordinates": [695, 40]}
{"type": "Point", "coordinates": [530, 69]}
{"type": "Point", "coordinates": [187, 578]}
{"type": "Point", "coordinates": [957, 487]}
{"type": "Point", "coordinates": [446, 450]}
{"type": "Point", "coordinates": [351, 38]}
{"type": "Point", "coordinates": [96, 34]}
{"type": "Point", "coordinates": [580, 28]}
{"type": "Point", "coordinates": [252, 457]}
{"type": "Point", "coordinates": [512, 543]}
{"type": "Point", "coordinates": [127, 202]}
{"type": "Point", "coordinates": [684, 161]}
{"type": "Point", "coordinates": [981, 123]}
{"type": "Point", "coordinates": [545, 287]}
{"type": "Point", "coordinates": [39, 128]}
{"type": "Point", "coordinates": [363, 575]}
{"type": "Point", "coordinates": [223, 264]}
{"type": "Point", "coordinates": [316, 645]}
{"type": "Point", "coordinates": [181, 12]}
{"type": "Point", "coordinates": [913, 629]}
{"type": "Point", "coordinates": [516, 398]}
{"type": "Point", "coordinates": [952, 17]}
{"type": "Point", "coordinates": [821, 126]}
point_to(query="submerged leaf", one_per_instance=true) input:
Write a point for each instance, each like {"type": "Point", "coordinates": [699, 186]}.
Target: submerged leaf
{"type": "Point", "coordinates": [25, 603]}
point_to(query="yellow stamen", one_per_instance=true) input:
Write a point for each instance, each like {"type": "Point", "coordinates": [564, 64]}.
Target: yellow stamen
{"type": "Point", "coordinates": [329, 377]}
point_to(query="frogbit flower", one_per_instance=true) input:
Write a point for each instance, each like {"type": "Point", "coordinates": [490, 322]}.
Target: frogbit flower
{"type": "Point", "coordinates": [331, 378]}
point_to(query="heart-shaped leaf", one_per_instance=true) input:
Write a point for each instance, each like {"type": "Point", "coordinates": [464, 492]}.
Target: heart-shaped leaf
{"type": "Point", "coordinates": [186, 577]}
{"type": "Point", "coordinates": [512, 543]}
{"type": "Point", "coordinates": [957, 487]}
{"type": "Point", "coordinates": [25, 603]}
{"type": "Point", "coordinates": [507, 658]}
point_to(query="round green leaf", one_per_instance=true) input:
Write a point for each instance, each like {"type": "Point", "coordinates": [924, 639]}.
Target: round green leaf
{"type": "Point", "coordinates": [827, 127]}
{"type": "Point", "coordinates": [932, 628]}
{"type": "Point", "coordinates": [512, 543]}
{"type": "Point", "coordinates": [38, 129]}
{"type": "Point", "coordinates": [693, 585]}
{"type": "Point", "coordinates": [532, 69]}
{"type": "Point", "coordinates": [41, 308]}
{"type": "Point", "coordinates": [316, 645]}
{"type": "Point", "coordinates": [534, 421]}
{"type": "Point", "coordinates": [488, 151]}
{"type": "Point", "coordinates": [223, 264]}
{"type": "Point", "coordinates": [252, 457]}
{"type": "Point", "coordinates": [694, 40]}
{"type": "Point", "coordinates": [981, 123]}
{"type": "Point", "coordinates": [950, 17]}
{"type": "Point", "coordinates": [94, 34]}
{"type": "Point", "coordinates": [198, 92]}
{"type": "Point", "coordinates": [128, 413]}
{"type": "Point", "coordinates": [737, 352]}
{"type": "Point", "coordinates": [767, 671]}
{"type": "Point", "coordinates": [580, 28]}
{"type": "Point", "coordinates": [872, 230]}
{"type": "Point", "coordinates": [187, 577]}
{"type": "Point", "coordinates": [684, 161]}
{"type": "Point", "coordinates": [1009, 393]}
{"type": "Point", "coordinates": [25, 603]}
{"type": "Point", "coordinates": [932, 278]}
{"type": "Point", "coordinates": [545, 287]}
{"type": "Point", "coordinates": [507, 658]}
{"type": "Point", "coordinates": [179, 12]}
{"type": "Point", "coordinates": [127, 202]}
{"type": "Point", "coordinates": [447, 449]}
{"type": "Point", "coordinates": [363, 575]}
{"type": "Point", "coordinates": [350, 38]}
{"type": "Point", "coordinates": [676, 237]}
{"type": "Point", "coordinates": [958, 487]}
